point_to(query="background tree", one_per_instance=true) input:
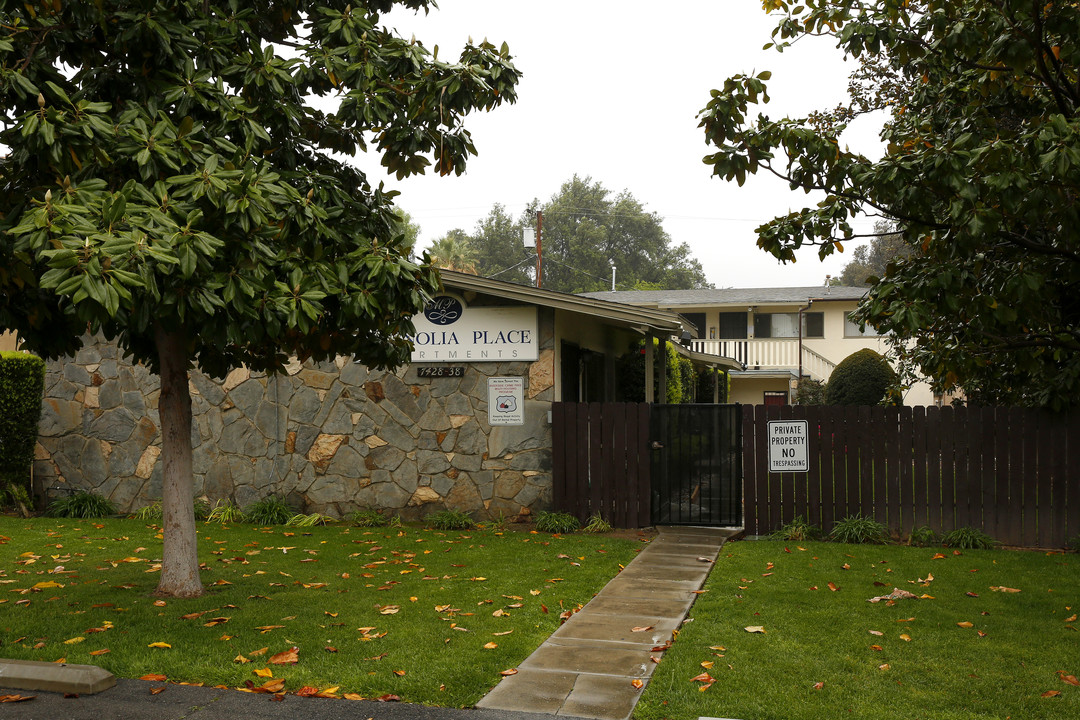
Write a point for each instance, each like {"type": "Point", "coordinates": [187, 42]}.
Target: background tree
{"type": "Point", "coordinates": [981, 176]}
{"type": "Point", "coordinates": [170, 185]}
{"type": "Point", "coordinates": [870, 261]}
{"type": "Point", "coordinates": [584, 230]}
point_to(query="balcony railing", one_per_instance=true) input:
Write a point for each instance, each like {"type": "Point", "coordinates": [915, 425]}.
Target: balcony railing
{"type": "Point", "coordinates": [778, 354]}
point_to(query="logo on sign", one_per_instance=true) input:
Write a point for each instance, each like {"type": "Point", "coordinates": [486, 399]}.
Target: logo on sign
{"type": "Point", "coordinates": [443, 310]}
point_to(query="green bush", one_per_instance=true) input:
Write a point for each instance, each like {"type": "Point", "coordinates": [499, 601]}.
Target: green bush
{"type": "Point", "coordinates": [810, 392]}
{"type": "Point", "coordinates": [83, 505]}
{"type": "Point", "coordinates": [368, 517]}
{"type": "Point", "coordinates": [862, 378]}
{"type": "Point", "coordinates": [450, 520]}
{"type": "Point", "coordinates": [301, 520]}
{"type": "Point", "coordinates": [224, 512]}
{"type": "Point", "coordinates": [22, 385]}
{"type": "Point", "coordinates": [922, 537]}
{"type": "Point", "coordinates": [797, 530]}
{"type": "Point", "coordinates": [597, 524]}
{"type": "Point", "coordinates": [858, 529]}
{"type": "Point", "coordinates": [149, 512]}
{"type": "Point", "coordinates": [272, 510]}
{"type": "Point", "coordinates": [556, 522]}
{"type": "Point", "coordinates": [968, 538]}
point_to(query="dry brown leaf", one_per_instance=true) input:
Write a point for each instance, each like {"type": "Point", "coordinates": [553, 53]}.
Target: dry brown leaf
{"type": "Point", "coordinates": [490, 646]}
{"type": "Point", "coordinates": [641, 628]}
{"type": "Point", "coordinates": [1003, 589]}
{"type": "Point", "coordinates": [884, 666]}
{"type": "Point", "coordinates": [1051, 693]}
{"type": "Point", "coordinates": [876, 648]}
{"type": "Point", "coordinates": [876, 632]}
{"type": "Point", "coordinates": [286, 657]}
{"type": "Point", "coordinates": [16, 698]}
{"type": "Point", "coordinates": [819, 685]}
{"type": "Point", "coordinates": [965, 624]}
{"type": "Point", "coordinates": [1070, 679]}
{"type": "Point", "coordinates": [509, 671]}
{"type": "Point", "coordinates": [832, 586]}
{"type": "Point", "coordinates": [102, 651]}
{"type": "Point", "coordinates": [638, 684]}
{"type": "Point", "coordinates": [905, 637]}
{"type": "Point", "coordinates": [703, 677]}
{"type": "Point", "coordinates": [755, 629]}
{"type": "Point", "coordinates": [154, 677]}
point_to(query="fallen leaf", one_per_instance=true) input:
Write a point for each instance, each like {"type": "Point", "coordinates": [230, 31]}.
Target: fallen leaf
{"type": "Point", "coordinates": [1003, 589]}
{"type": "Point", "coordinates": [399, 673]}
{"type": "Point", "coordinates": [102, 651]}
{"type": "Point", "coordinates": [74, 640]}
{"type": "Point", "coordinates": [641, 628]}
{"type": "Point", "coordinates": [264, 672]}
{"type": "Point", "coordinates": [938, 556]}
{"type": "Point", "coordinates": [1070, 679]}
{"type": "Point", "coordinates": [157, 690]}
{"type": "Point", "coordinates": [832, 586]}
{"type": "Point", "coordinates": [16, 698]}
{"type": "Point", "coordinates": [707, 664]}
{"type": "Point", "coordinates": [509, 671]}
{"type": "Point", "coordinates": [389, 609]}
{"type": "Point", "coordinates": [876, 648]}
{"type": "Point", "coordinates": [352, 696]}
{"type": "Point", "coordinates": [637, 683]}
{"type": "Point", "coordinates": [240, 659]}
{"type": "Point", "coordinates": [1071, 619]}
{"type": "Point", "coordinates": [884, 666]}
{"type": "Point", "coordinates": [1051, 693]}
{"type": "Point", "coordinates": [755, 629]}
{"type": "Point", "coordinates": [965, 624]}
{"type": "Point", "coordinates": [388, 698]}
{"type": "Point", "coordinates": [286, 657]}
{"type": "Point", "coordinates": [490, 646]}
{"type": "Point", "coordinates": [703, 677]}
{"type": "Point", "coordinates": [159, 645]}
{"type": "Point", "coordinates": [819, 685]}
{"type": "Point", "coordinates": [905, 637]}
{"type": "Point", "coordinates": [876, 632]}
{"type": "Point", "coordinates": [155, 677]}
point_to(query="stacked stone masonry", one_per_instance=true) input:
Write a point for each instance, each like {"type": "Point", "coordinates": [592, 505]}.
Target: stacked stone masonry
{"type": "Point", "coordinates": [329, 437]}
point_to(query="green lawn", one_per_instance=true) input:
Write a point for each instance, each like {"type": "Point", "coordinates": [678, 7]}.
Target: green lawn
{"type": "Point", "coordinates": [373, 611]}
{"type": "Point", "coordinates": [911, 660]}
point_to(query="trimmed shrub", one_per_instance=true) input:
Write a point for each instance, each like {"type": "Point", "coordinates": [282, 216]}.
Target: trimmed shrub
{"type": "Point", "coordinates": [810, 392]}
{"type": "Point", "coordinates": [22, 385]}
{"type": "Point", "coordinates": [862, 378]}
{"type": "Point", "coordinates": [968, 538]}
{"type": "Point", "coordinates": [271, 510]}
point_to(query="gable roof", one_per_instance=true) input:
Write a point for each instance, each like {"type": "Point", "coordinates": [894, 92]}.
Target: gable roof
{"type": "Point", "coordinates": [730, 296]}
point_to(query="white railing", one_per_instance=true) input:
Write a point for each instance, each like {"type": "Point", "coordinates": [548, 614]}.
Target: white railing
{"type": "Point", "coordinates": [779, 354]}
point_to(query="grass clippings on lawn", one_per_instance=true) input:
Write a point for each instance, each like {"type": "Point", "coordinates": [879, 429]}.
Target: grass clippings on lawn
{"type": "Point", "coordinates": [425, 616]}
{"type": "Point", "coordinates": [785, 632]}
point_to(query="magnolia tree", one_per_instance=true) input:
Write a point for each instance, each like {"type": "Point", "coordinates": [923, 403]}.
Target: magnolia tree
{"type": "Point", "coordinates": [169, 182]}
{"type": "Point", "coordinates": [981, 179]}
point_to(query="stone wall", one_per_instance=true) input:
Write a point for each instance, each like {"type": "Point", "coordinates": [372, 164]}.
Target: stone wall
{"type": "Point", "coordinates": [329, 437]}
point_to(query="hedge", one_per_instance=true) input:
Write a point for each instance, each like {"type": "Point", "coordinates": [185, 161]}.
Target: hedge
{"type": "Point", "coordinates": [22, 385]}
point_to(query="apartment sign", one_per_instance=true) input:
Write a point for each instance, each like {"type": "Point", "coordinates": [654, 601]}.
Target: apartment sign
{"type": "Point", "coordinates": [450, 331]}
{"type": "Point", "coordinates": [788, 446]}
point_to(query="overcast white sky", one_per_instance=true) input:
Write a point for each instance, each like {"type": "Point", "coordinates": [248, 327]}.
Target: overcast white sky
{"type": "Point", "coordinates": [611, 90]}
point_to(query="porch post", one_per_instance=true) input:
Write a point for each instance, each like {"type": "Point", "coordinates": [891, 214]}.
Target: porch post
{"type": "Point", "coordinates": [662, 389]}
{"type": "Point", "coordinates": [716, 385]}
{"type": "Point", "coordinates": [649, 397]}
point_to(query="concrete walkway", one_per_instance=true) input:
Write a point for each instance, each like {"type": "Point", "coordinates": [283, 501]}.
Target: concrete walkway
{"type": "Point", "coordinates": [587, 667]}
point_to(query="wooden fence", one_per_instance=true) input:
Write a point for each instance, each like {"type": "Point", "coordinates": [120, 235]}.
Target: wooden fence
{"type": "Point", "coordinates": [1013, 473]}
{"type": "Point", "coordinates": [600, 453]}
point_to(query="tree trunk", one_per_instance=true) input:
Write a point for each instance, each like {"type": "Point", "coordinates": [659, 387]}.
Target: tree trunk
{"type": "Point", "coordinates": [180, 557]}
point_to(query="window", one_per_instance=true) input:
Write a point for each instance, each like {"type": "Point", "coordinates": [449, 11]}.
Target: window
{"type": "Point", "coordinates": [786, 325]}
{"type": "Point", "coordinates": [698, 319]}
{"type": "Point", "coordinates": [851, 329]}
{"type": "Point", "coordinates": [732, 325]}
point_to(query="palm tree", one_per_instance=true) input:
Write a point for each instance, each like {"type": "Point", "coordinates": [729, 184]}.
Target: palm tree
{"type": "Point", "coordinates": [454, 252]}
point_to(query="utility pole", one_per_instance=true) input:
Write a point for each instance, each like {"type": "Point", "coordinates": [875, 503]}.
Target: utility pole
{"type": "Point", "coordinates": [539, 254]}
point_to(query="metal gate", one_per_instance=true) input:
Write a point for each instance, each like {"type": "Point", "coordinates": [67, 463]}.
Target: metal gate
{"type": "Point", "coordinates": [696, 464]}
